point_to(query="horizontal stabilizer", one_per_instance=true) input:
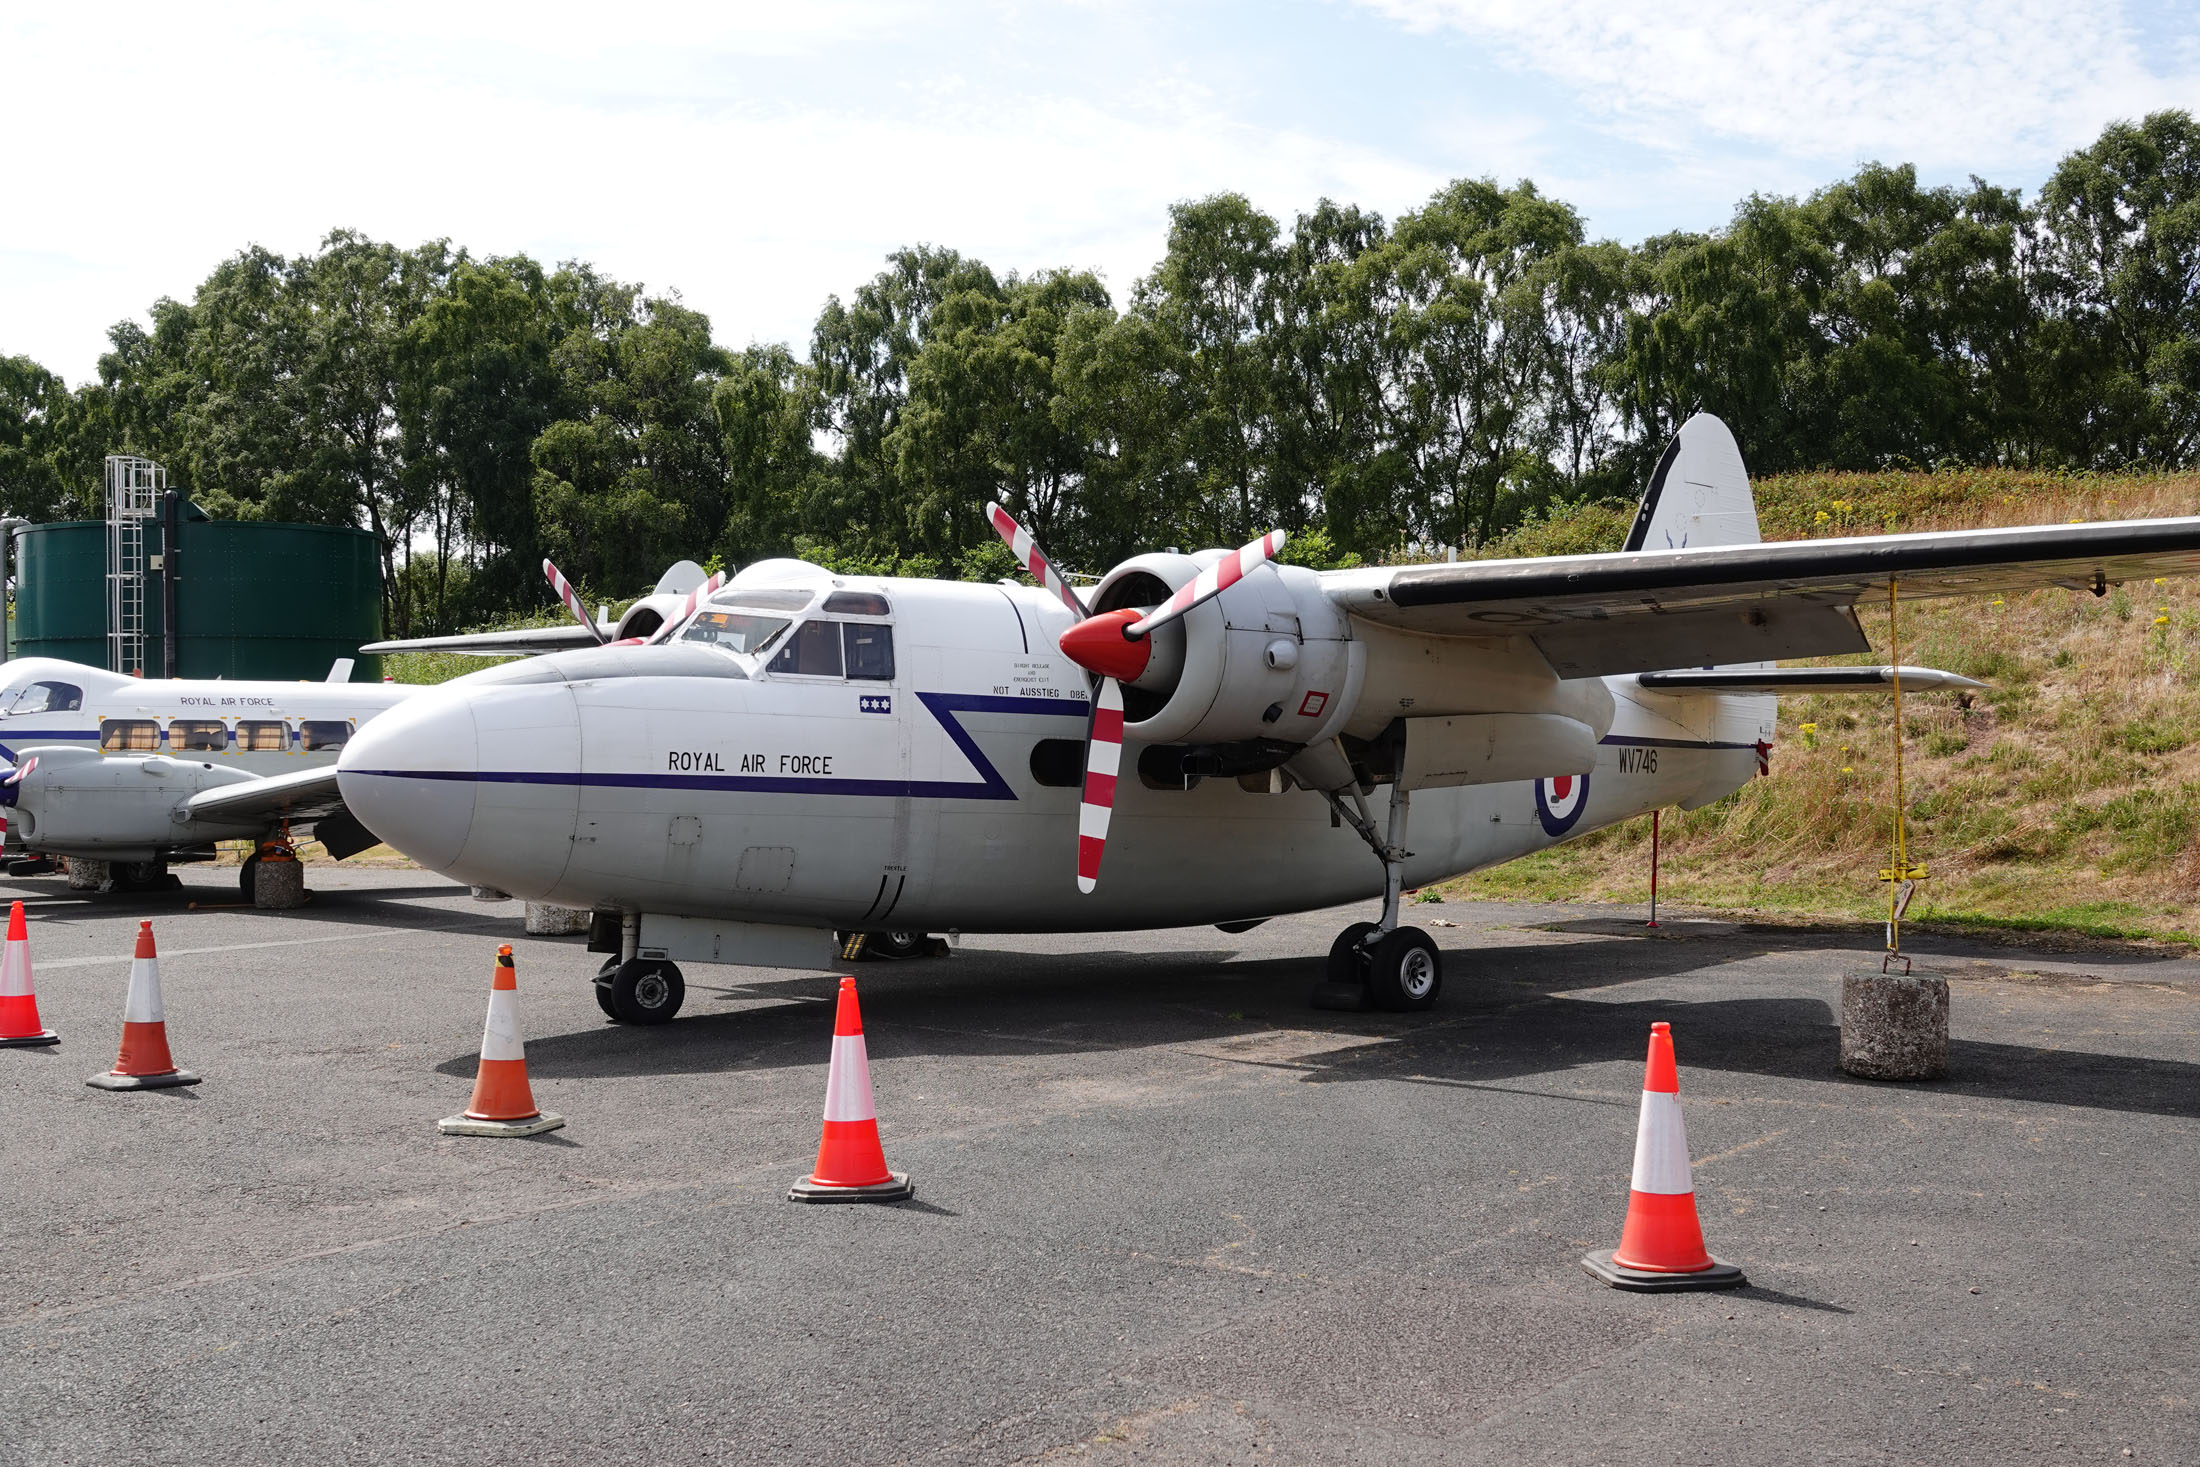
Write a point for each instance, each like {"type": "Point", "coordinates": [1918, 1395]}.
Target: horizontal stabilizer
{"type": "Point", "coordinates": [1806, 680]}
{"type": "Point", "coordinates": [518, 642]}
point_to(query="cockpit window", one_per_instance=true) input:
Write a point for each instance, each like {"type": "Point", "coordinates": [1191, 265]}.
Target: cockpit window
{"type": "Point", "coordinates": [858, 603]}
{"type": "Point", "coordinates": [813, 651]}
{"type": "Point", "coordinates": [762, 598]}
{"type": "Point", "coordinates": [735, 631]}
{"type": "Point", "coordinates": [870, 649]}
{"type": "Point", "coordinates": [47, 698]}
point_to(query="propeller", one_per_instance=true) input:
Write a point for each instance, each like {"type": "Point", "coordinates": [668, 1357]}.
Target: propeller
{"type": "Point", "coordinates": [18, 774]}
{"type": "Point", "coordinates": [1115, 647]}
{"type": "Point", "coordinates": [572, 600]}
{"type": "Point", "coordinates": [687, 609]}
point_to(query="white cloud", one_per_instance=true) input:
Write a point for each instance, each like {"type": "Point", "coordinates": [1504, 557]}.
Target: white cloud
{"type": "Point", "coordinates": [1970, 85]}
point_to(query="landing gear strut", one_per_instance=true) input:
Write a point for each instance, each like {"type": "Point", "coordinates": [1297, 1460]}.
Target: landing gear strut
{"type": "Point", "coordinates": [1380, 964]}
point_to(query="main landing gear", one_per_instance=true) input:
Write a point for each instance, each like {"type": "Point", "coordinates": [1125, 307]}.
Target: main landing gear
{"type": "Point", "coordinates": [640, 990]}
{"type": "Point", "coordinates": [1380, 964]}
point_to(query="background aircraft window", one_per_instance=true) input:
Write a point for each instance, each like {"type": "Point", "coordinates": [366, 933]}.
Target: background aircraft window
{"type": "Point", "coordinates": [129, 735]}
{"type": "Point", "coordinates": [870, 650]}
{"type": "Point", "coordinates": [858, 603]}
{"type": "Point", "coordinates": [736, 631]}
{"type": "Point", "coordinates": [48, 698]}
{"type": "Point", "coordinates": [324, 733]}
{"type": "Point", "coordinates": [813, 651]}
{"type": "Point", "coordinates": [262, 736]}
{"type": "Point", "coordinates": [1059, 763]}
{"type": "Point", "coordinates": [207, 735]}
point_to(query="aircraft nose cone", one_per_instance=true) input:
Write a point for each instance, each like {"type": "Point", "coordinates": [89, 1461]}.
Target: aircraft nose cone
{"type": "Point", "coordinates": [409, 775]}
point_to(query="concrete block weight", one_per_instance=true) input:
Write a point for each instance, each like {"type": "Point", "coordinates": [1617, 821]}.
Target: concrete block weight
{"type": "Point", "coordinates": [545, 920]}
{"type": "Point", "coordinates": [1894, 1026]}
{"type": "Point", "coordinates": [278, 886]}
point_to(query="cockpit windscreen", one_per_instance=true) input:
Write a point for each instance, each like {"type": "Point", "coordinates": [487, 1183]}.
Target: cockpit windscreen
{"type": "Point", "coordinates": [734, 631]}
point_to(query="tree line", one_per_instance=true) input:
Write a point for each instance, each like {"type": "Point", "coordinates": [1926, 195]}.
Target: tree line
{"type": "Point", "coordinates": [1373, 386]}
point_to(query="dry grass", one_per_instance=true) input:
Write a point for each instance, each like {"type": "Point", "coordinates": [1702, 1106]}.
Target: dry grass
{"type": "Point", "coordinates": [2067, 797]}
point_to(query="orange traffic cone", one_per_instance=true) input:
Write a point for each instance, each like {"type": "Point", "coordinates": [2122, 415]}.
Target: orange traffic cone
{"type": "Point", "coordinates": [851, 1166]}
{"type": "Point", "coordinates": [144, 1063]}
{"type": "Point", "coordinates": [1661, 1244]}
{"type": "Point", "coordinates": [19, 1026]}
{"type": "Point", "coordinates": [503, 1104]}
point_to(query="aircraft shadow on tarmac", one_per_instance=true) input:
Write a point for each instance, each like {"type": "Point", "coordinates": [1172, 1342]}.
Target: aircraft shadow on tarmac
{"type": "Point", "coordinates": [1507, 1014]}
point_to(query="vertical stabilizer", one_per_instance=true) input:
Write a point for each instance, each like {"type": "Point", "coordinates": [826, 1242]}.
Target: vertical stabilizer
{"type": "Point", "coordinates": [1699, 495]}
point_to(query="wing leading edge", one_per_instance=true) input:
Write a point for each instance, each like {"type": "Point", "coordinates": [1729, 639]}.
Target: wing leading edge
{"type": "Point", "coordinates": [1643, 611]}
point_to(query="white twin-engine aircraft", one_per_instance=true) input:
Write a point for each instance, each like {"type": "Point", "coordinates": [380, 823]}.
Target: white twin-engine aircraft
{"type": "Point", "coordinates": [810, 751]}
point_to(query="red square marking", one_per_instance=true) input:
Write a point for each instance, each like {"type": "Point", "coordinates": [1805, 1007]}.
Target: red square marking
{"type": "Point", "coordinates": [1313, 704]}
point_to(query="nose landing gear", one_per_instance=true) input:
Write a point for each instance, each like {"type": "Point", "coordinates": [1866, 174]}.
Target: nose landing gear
{"type": "Point", "coordinates": [640, 990]}
{"type": "Point", "coordinates": [1380, 964]}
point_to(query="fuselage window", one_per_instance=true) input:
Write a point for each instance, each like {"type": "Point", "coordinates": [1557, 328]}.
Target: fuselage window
{"type": "Point", "coordinates": [813, 651]}
{"type": "Point", "coordinates": [48, 698]}
{"type": "Point", "coordinates": [207, 735]}
{"type": "Point", "coordinates": [1058, 763]}
{"type": "Point", "coordinates": [324, 733]}
{"type": "Point", "coordinates": [129, 735]}
{"type": "Point", "coordinates": [870, 649]}
{"type": "Point", "coordinates": [262, 736]}
{"type": "Point", "coordinates": [736, 631]}
{"type": "Point", "coordinates": [858, 603]}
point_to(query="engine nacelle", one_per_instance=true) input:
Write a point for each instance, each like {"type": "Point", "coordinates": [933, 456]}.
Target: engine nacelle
{"type": "Point", "coordinates": [1269, 661]}
{"type": "Point", "coordinates": [79, 802]}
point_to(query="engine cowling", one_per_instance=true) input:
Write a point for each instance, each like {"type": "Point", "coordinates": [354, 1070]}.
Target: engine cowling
{"type": "Point", "coordinates": [1269, 661]}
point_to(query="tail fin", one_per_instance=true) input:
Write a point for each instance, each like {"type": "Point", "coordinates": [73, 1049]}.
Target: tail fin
{"type": "Point", "coordinates": [1699, 495]}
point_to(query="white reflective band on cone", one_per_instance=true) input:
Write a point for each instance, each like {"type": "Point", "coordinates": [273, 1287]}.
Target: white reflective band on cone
{"type": "Point", "coordinates": [143, 1004]}
{"type": "Point", "coordinates": [15, 970]}
{"type": "Point", "coordinates": [1661, 1146]}
{"type": "Point", "coordinates": [848, 1084]}
{"type": "Point", "coordinates": [500, 1036]}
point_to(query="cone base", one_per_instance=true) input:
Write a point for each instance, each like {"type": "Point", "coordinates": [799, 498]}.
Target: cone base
{"type": "Point", "coordinates": [113, 1081]}
{"type": "Point", "coordinates": [465, 1125]}
{"type": "Point", "coordinates": [25, 1041]}
{"type": "Point", "coordinates": [897, 1188]}
{"type": "Point", "coordinates": [1619, 1276]}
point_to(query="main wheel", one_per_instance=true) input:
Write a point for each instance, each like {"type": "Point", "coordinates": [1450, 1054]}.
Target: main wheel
{"type": "Point", "coordinates": [1348, 954]}
{"type": "Point", "coordinates": [1405, 973]}
{"type": "Point", "coordinates": [602, 985]}
{"type": "Point", "coordinates": [248, 876]}
{"type": "Point", "coordinates": [140, 875]}
{"type": "Point", "coordinates": [646, 991]}
{"type": "Point", "coordinates": [893, 944]}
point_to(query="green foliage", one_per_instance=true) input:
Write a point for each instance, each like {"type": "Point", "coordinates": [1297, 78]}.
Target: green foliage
{"type": "Point", "coordinates": [2152, 736]}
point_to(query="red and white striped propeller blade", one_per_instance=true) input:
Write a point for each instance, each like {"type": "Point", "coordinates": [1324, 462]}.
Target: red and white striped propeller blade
{"type": "Point", "coordinates": [1033, 559]}
{"type": "Point", "coordinates": [572, 600]}
{"type": "Point", "coordinates": [1103, 757]}
{"type": "Point", "coordinates": [22, 771]}
{"type": "Point", "coordinates": [1209, 583]}
{"type": "Point", "coordinates": [687, 609]}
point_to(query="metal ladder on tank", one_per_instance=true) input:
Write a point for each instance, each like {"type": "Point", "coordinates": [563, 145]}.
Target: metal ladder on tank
{"type": "Point", "coordinates": [134, 487]}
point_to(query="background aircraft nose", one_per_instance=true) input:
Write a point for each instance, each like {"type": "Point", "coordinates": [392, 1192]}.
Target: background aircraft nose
{"type": "Point", "coordinates": [409, 777]}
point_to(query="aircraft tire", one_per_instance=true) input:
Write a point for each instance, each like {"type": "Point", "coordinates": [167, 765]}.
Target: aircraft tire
{"type": "Point", "coordinates": [248, 872]}
{"type": "Point", "coordinates": [646, 991]}
{"type": "Point", "coordinates": [1405, 971]}
{"type": "Point", "coordinates": [602, 985]}
{"type": "Point", "coordinates": [893, 945]}
{"type": "Point", "coordinates": [1347, 955]}
{"type": "Point", "coordinates": [141, 876]}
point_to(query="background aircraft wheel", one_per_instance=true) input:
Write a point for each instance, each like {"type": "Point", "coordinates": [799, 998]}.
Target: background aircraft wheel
{"type": "Point", "coordinates": [140, 875]}
{"type": "Point", "coordinates": [1405, 972]}
{"type": "Point", "coordinates": [248, 873]}
{"type": "Point", "coordinates": [646, 991]}
{"type": "Point", "coordinates": [893, 944]}
{"type": "Point", "coordinates": [602, 986]}
{"type": "Point", "coordinates": [1347, 958]}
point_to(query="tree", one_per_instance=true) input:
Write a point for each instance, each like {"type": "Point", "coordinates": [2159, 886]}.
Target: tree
{"type": "Point", "coordinates": [33, 407]}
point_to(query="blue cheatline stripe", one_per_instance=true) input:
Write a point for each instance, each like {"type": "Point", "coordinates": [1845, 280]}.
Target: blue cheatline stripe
{"type": "Point", "coordinates": [26, 737]}
{"type": "Point", "coordinates": [1634, 743]}
{"type": "Point", "coordinates": [943, 706]}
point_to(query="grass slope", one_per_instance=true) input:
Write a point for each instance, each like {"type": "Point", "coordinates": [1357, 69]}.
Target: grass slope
{"type": "Point", "coordinates": [2066, 798]}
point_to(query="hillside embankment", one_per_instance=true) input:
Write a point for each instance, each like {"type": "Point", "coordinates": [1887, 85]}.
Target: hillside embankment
{"type": "Point", "coordinates": [2065, 797]}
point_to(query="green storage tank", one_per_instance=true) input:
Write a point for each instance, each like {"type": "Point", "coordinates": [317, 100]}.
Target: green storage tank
{"type": "Point", "coordinates": [255, 599]}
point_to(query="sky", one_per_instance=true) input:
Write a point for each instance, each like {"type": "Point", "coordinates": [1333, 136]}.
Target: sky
{"type": "Point", "coordinates": [758, 158]}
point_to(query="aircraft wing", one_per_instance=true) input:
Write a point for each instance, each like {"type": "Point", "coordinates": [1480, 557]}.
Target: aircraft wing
{"type": "Point", "coordinates": [517, 642]}
{"type": "Point", "coordinates": [308, 800]}
{"type": "Point", "coordinates": [1805, 680]}
{"type": "Point", "coordinates": [1634, 611]}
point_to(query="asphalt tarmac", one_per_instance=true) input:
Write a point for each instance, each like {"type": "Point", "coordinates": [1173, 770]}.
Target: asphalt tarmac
{"type": "Point", "coordinates": [1165, 1212]}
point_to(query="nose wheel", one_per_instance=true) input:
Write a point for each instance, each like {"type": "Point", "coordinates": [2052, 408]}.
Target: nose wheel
{"type": "Point", "coordinates": [640, 990]}
{"type": "Point", "coordinates": [1380, 964]}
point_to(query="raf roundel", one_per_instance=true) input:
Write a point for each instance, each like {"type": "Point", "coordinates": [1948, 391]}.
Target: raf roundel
{"type": "Point", "coordinates": [1559, 801]}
